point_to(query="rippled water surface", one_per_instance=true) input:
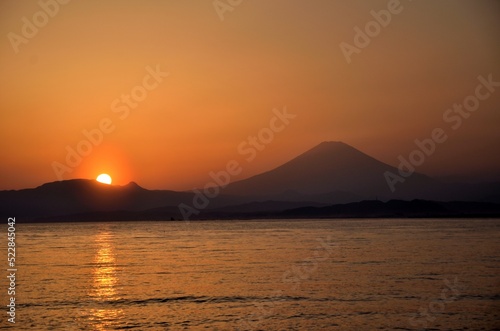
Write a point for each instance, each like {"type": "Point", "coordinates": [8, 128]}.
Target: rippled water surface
{"type": "Point", "coordinates": [258, 275]}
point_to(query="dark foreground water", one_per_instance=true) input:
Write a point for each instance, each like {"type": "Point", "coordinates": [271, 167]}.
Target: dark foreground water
{"type": "Point", "coordinates": [257, 275]}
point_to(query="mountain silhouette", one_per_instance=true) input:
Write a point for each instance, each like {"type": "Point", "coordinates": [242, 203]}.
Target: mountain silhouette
{"type": "Point", "coordinates": [331, 173]}
{"type": "Point", "coordinates": [364, 209]}
{"type": "Point", "coordinates": [82, 196]}
{"type": "Point", "coordinates": [334, 168]}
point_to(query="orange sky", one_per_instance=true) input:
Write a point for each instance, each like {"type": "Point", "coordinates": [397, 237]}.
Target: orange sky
{"type": "Point", "coordinates": [225, 77]}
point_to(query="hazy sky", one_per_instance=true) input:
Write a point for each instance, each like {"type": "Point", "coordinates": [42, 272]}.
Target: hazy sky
{"type": "Point", "coordinates": [70, 67]}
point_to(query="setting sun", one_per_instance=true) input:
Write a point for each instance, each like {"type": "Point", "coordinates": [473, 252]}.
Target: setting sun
{"type": "Point", "coordinates": [104, 178]}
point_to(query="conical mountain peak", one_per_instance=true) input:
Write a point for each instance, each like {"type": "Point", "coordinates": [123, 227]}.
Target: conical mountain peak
{"type": "Point", "coordinates": [331, 166]}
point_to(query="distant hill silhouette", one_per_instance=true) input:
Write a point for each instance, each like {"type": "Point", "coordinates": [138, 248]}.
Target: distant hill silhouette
{"type": "Point", "coordinates": [331, 173]}
{"type": "Point", "coordinates": [271, 210]}
{"type": "Point", "coordinates": [398, 208]}
{"type": "Point", "coordinates": [341, 173]}
{"type": "Point", "coordinates": [84, 195]}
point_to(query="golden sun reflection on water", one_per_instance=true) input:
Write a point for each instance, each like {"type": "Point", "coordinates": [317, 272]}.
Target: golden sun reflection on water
{"type": "Point", "coordinates": [104, 281]}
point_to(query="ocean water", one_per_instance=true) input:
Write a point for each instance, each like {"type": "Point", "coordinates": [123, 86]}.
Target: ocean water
{"type": "Point", "coordinates": [409, 274]}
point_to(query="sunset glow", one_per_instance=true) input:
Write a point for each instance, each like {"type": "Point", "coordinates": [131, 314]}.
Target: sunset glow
{"type": "Point", "coordinates": [250, 165]}
{"type": "Point", "coordinates": [164, 93]}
